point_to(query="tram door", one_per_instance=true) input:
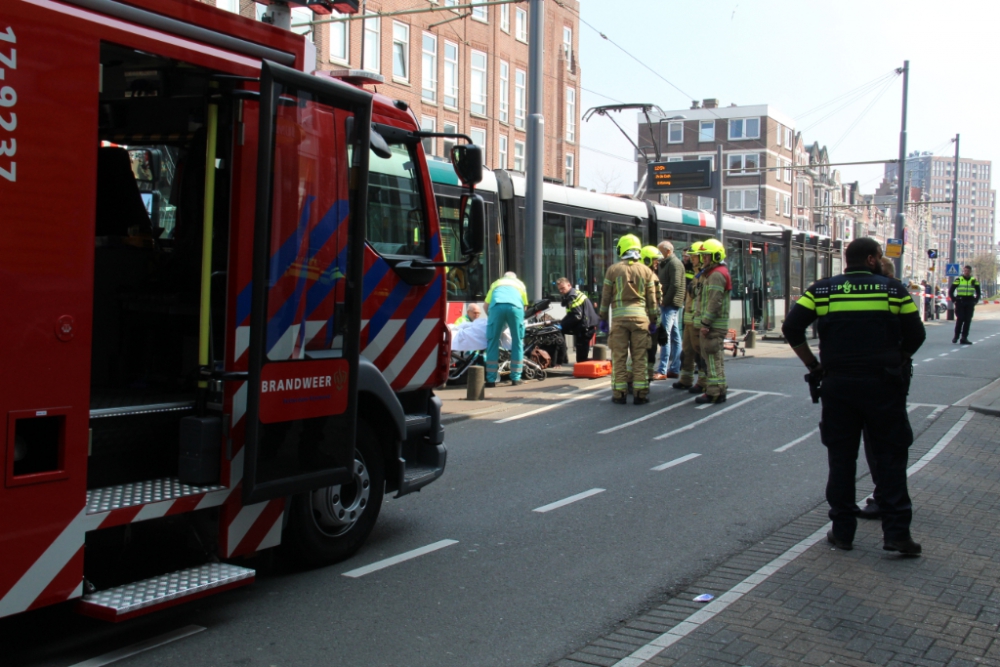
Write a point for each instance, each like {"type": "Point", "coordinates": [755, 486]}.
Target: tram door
{"type": "Point", "coordinates": [590, 257]}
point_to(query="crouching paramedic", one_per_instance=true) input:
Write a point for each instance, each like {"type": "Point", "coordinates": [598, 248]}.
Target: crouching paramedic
{"type": "Point", "coordinates": [713, 317]}
{"type": "Point", "coordinates": [629, 295]}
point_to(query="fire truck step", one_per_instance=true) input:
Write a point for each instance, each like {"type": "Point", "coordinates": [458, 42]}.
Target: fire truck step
{"type": "Point", "coordinates": [146, 492]}
{"type": "Point", "coordinates": [166, 590]}
{"type": "Point", "coordinates": [416, 473]}
{"type": "Point", "coordinates": [417, 425]}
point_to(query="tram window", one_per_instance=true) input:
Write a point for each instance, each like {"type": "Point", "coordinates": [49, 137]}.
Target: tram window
{"type": "Point", "coordinates": [822, 261]}
{"type": "Point", "coordinates": [775, 275]}
{"type": "Point", "coordinates": [810, 267]}
{"type": "Point", "coordinates": [581, 252]}
{"type": "Point", "coordinates": [734, 259]}
{"type": "Point", "coordinates": [838, 266]}
{"type": "Point", "coordinates": [465, 283]}
{"type": "Point", "coordinates": [795, 274]}
{"type": "Point", "coordinates": [553, 253]}
{"type": "Point", "coordinates": [602, 259]}
{"type": "Point", "coordinates": [679, 239]}
{"type": "Point", "coordinates": [396, 223]}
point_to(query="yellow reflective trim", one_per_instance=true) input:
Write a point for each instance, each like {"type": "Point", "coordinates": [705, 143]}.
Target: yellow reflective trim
{"type": "Point", "coordinates": [908, 308]}
{"type": "Point", "coordinates": [858, 306]}
{"type": "Point", "coordinates": [863, 295]}
{"type": "Point", "coordinates": [806, 302]}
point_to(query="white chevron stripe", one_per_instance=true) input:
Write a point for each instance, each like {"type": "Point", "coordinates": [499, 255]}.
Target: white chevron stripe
{"type": "Point", "coordinates": [242, 524]}
{"type": "Point", "coordinates": [242, 342]}
{"type": "Point", "coordinates": [382, 340]}
{"type": "Point", "coordinates": [424, 372]}
{"type": "Point", "coordinates": [424, 329]}
{"type": "Point", "coordinates": [282, 350]}
{"type": "Point", "coordinates": [273, 537]}
{"type": "Point", "coordinates": [239, 404]}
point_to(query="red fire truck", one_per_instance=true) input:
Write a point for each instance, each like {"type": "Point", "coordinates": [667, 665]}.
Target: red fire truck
{"type": "Point", "coordinates": [221, 302]}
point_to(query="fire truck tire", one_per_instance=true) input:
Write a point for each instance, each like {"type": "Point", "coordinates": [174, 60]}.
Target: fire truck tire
{"type": "Point", "coordinates": [329, 525]}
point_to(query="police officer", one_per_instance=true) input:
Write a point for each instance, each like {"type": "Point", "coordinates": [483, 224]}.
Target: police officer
{"type": "Point", "coordinates": [580, 320]}
{"type": "Point", "coordinates": [713, 319]}
{"type": "Point", "coordinates": [965, 293]}
{"type": "Point", "coordinates": [629, 294]}
{"type": "Point", "coordinates": [505, 303]}
{"type": "Point", "coordinates": [690, 347]}
{"type": "Point", "coordinates": [869, 329]}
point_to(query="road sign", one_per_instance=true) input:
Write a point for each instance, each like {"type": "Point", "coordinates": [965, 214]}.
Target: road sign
{"type": "Point", "coordinates": [679, 176]}
{"type": "Point", "coordinates": [952, 271]}
{"type": "Point", "coordinates": [893, 248]}
{"type": "Point", "coordinates": [932, 253]}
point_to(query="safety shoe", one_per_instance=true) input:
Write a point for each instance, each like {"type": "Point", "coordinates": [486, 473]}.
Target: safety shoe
{"type": "Point", "coordinates": [490, 385]}
{"type": "Point", "coordinates": [659, 376]}
{"type": "Point", "coordinates": [905, 547]}
{"type": "Point", "coordinates": [681, 385]}
{"type": "Point", "coordinates": [640, 400]}
{"type": "Point", "coordinates": [671, 374]}
{"type": "Point", "coordinates": [954, 340]}
{"type": "Point", "coordinates": [839, 543]}
{"type": "Point", "coordinates": [696, 389]}
{"type": "Point", "coordinates": [870, 511]}
{"type": "Point", "coordinates": [705, 398]}
{"type": "Point", "coordinates": [619, 398]}
{"type": "Point", "coordinates": [965, 341]}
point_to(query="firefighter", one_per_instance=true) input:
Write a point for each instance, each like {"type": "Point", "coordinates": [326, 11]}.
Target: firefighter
{"type": "Point", "coordinates": [505, 303]}
{"type": "Point", "coordinates": [651, 257]}
{"type": "Point", "coordinates": [966, 294]}
{"type": "Point", "coordinates": [629, 295]}
{"type": "Point", "coordinates": [580, 320]}
{"type": "Point", "coordinates": [713, 319]}
{"type": "Point", "coordinates": [690, 348]}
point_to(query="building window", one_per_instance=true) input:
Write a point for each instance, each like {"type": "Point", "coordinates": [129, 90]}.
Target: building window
{"type": "Point", "coordinates": [429, 63]}
{"type": "Point", "coordinates": [504, 90]}
{"type": "Point", "coordinates": [571, 114]}
{"type": "Point", "coordinates": [742, 200]}
{"type": "Point", "coordinates": [744, 128]}
{"type": "Point", "coordinates": [400, 51]}
{"type": "Point", "coordinates": [567, 46]}
{"type": "Point", "coordinates": [505, 18]}
{"type": "Point", "coordinates": [675, 132]}
{"type": "Point", "coordinates": [675, 199]}
{"type": "Point", "coordinates": [520, 24]}
{"type": "Point", "coordinates": [339, 45]}
{"type": "Point", "coordinates": [371, 59]}
{"type": "Point", "coordinates": [777, 204]}
{"type": "Point", "coordinates": [502, 152]}
{"type": "Point", "coordinates": [743, 163]}
{"type": "Point", "coordinates": [706, 203]}
{"type": "Point", "coordinates": [478, 136]}
{"type": "Point", "coordinates": [711, 161]}
{"type": "Point", "coordinates": [570, 168]}
{"type": "Point", "coordinates": [428, 124]}
{"type": "Point", "coordinates": [519, 98]}
{"type": "Point", "coordinates": [788, 171]}
{"type": "Point", "coordinates": [451, 75]}
{"type": "Point", "coordinates": [518, 155]}
{"type": "Point", "coordinates": [788, 138]}
{"type": "Point", "coordinates": [479, 13]}
{"type": "Point", "coordinates": [675, 158]}
{"type": "Point", "coordinates": [800, 194]}
{"type": "Point", "coordinates": [706, 130]}
{"type": "Point", "coordinates": [449, 142]}
{"type": "Point", "coordinates": [478, 83]}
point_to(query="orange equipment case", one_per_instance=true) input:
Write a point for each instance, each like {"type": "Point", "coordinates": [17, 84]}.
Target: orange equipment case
{"type": "Point", "coordinates": [592, 369]}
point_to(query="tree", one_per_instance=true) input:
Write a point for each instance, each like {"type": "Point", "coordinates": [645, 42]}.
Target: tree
{"type": "Point", "coordinates": [984, 266]}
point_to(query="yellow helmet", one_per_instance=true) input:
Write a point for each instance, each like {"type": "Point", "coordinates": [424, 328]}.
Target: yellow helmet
{"type": "Point", "coordinates": [628, 242]}
{"type": "Point", "coordinates": [695, 248]}
{"type": "Point", "coordinates": [714, 248]}
{"type": "Point", "coordinates": [650, 254]}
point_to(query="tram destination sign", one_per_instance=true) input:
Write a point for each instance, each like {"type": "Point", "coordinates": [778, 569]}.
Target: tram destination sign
{"type": "Point", "coordinates": [679, 176]}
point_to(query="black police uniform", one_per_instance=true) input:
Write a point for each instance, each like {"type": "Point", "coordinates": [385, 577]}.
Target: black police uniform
{"type": "Point", "coordinates": [966, 294]}
{"type": "Point", "coordinates": [866, 324]}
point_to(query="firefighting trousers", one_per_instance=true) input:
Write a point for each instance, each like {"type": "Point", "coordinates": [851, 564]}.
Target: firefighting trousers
{"type": "Point", "coordinates": [690, 354]}
{"type": "Point", "coordinates": [629, 336]}
{"type": "Point", "coordinates": [501, 316]}
{"type": "Point", "coordinates": [714, 356]}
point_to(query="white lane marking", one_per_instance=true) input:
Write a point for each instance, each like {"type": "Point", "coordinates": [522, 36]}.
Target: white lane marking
{"type": "Point", "coordinates": [395, 560]}
{"type": "Point", "coordinates": [938, 410]}
{"type": "Point", "coordinates": [645, 417]}
{"type": "Point", "coordinates": [694, 622]}
{"type": "Point", "coordinates": [140, 647]}
{"type": "Point", "coordinates": [589, 394]}
{"type": "Point", "coordinates": [675, 462]}
{"type": "Point", "coordinates": [566, 501]}
{"type": "Point", "coordinates": [798, 440]}
{"type": "Point", "coordinates": [728, 394]}
{"type": "Point", "coordinates": [944, 354]}
{"type": "Point", "coordinates": [926, 360]}
{"type": "Point", "coordinates": [712, 416]}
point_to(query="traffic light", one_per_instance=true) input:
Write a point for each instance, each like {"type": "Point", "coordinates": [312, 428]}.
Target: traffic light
{"type": "Point", "coordinates": [932, 253]}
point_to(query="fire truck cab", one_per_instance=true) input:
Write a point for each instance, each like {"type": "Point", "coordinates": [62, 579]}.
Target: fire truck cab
{"type": "Point", "coordinates": [222, 302]}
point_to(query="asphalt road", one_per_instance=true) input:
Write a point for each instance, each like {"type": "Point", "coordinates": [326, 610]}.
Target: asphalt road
{"type": "Point", "coordinates": [543, 534]}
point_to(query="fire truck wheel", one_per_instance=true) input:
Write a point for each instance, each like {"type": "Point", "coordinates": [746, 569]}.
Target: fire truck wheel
{"type": "Point", "coordinates": [329, 525]}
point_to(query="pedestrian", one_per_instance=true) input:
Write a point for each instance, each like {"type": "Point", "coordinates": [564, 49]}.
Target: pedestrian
{"type": "Point", "coordinates": [629, 297]}
{"type": "Point", "coordinates": [472, 313]}
{"type": "Point", "coordinates": [869, 328]}
{"type": "Point", "coordinates": [672, 282]}
{"type": "Point", "coordinates": [505, 303]}
{"type": "Point", "coordinates": [966, 294]}
{"type": "Point", "coordinates": [713, 319]}
{"type": "Point", "coordinates": [928, 300]}
{"type": "Point", "coordinates": [580, 320]}
{"type": "Point", "coordinates": [690, 345]}
{"type": "Point", "coordinates": [888, 268]}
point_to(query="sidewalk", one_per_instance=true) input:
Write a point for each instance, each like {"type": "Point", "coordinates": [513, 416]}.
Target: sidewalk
{"type": "Point", "coordinates": [794, 600]}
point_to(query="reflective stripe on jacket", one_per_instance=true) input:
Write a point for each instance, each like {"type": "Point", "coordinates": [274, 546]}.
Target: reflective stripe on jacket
{"type": "Point", "coordinates": [508, 290]}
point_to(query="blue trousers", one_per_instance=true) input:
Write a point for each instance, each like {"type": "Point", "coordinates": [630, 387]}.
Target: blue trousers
{"type": "Point", "coordinates": [500, 317]}
{"type": "Point", "coordinates": [670, 354]}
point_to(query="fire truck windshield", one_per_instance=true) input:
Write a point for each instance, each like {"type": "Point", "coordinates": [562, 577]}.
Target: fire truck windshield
{"type": "Point", "coordinates": [397, 223]}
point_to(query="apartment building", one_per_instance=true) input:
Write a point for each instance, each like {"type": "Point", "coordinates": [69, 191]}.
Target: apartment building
{"type": "Point", "coordinates": [463, 70]}
{"type": "Point", "coordinates": [935, 176]}
{"type": "Point", "coordinates": [758, 145]}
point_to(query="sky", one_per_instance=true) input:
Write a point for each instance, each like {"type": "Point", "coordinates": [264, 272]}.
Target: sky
{"type": "Point", "coordinates": [796, 55]}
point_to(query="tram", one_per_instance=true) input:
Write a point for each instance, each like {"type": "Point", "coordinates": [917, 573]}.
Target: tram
{"type": "Point", "coordinates": [771, 264]}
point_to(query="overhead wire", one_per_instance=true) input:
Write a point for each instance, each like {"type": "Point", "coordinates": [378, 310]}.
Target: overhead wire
{"type": "Point", "coordinates": [862, 114]}
{"type": "Point", "coordinates": [865, 87]}
{"type": "Point", "coordinates": [868, 90]}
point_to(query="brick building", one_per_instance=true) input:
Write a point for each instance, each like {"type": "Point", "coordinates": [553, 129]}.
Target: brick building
{"type": "Point", "coordinates": [465, 71]}
{"type": "Point", "coordinates": [758, 144]}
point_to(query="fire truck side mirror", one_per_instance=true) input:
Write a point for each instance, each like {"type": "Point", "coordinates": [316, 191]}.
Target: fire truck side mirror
{"type": "Point", "coordinates": [473, 224]}
{"type": "Point", "coordinates": [468, 161]}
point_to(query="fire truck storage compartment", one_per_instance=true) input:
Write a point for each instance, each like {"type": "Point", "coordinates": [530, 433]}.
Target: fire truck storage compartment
{"type": "Point", "coordinates": [147, 261]}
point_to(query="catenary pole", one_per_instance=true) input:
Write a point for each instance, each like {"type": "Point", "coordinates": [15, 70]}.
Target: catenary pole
{"type": "Point", "coordinates": [953, 246]}
{"type": "Point", "coordinates": [536, 153]}
{"type": "Point", "coordinates": [901, 173]}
